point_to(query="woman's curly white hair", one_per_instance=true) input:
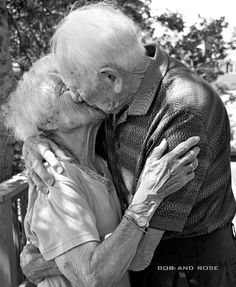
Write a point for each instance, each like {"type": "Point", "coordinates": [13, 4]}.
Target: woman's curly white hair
{"type": "Point", "coordinates": [32, 105]}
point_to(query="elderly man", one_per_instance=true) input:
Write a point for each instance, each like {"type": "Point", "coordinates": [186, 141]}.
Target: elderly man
{"type": "Point", "coordinates": [149, 96]}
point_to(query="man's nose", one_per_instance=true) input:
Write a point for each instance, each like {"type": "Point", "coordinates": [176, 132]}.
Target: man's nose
{"type": "Point", "coordinates": [76, 96]}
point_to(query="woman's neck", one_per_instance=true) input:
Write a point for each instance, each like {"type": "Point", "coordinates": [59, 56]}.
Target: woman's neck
{"type": "Point", "coordinates": [80, 143]}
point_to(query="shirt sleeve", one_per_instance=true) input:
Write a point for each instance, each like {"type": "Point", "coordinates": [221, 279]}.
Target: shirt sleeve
{"type": "Point", "coordinates": [175, 209]}
{"type": "Point", "coordinates": [63, 219]}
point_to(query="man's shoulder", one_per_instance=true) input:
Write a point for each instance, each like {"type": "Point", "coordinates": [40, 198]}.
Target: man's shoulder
{"type": "Point", "coordinates": [184, 86]}
{"type": "Point", "coordinates": [183, 78]}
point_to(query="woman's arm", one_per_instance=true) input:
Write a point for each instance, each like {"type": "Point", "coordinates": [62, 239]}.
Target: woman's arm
{"type": "Point", "coordinates": [171, 171]}
{"type": "Point", "coordinates": [94, 264]}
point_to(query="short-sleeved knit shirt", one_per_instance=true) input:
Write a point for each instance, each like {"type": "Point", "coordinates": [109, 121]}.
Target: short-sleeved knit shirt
{"type": "Point", "coordinates": [81, 206]}
{"type": "Point", "coordinates": [174, 103]}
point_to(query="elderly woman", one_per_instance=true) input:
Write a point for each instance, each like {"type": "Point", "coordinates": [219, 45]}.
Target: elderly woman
{"type": "Point", "coordinates": [71, 223]}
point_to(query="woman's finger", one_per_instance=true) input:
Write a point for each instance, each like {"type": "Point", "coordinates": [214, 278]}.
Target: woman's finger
{"type": "Point", "coordinates": [185, 146]}
{"type": "Point", "coordinates": [181, 169]}
{"type": "Point", "coordinates": [159, 150]}
{"type": "Point", "coordinates": [190, 176]}
{"type": "Point", "coordinates": [192, 165]}
{"type": "Point", "coordinates": [189, 157]}
{"type": "Point", "coordinates": [178, 181]}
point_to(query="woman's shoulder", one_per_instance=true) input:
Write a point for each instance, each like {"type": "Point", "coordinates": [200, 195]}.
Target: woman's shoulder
{"type": "Point", "coordinates": [73, 174]}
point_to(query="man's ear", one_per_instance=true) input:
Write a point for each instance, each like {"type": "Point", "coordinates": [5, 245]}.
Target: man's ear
{"type": "Point", "coordinates": [114, 77]}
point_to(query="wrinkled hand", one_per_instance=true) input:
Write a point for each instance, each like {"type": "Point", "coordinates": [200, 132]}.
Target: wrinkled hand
{"type": "Point", "coordinates": [34, 266]}
{"type": "Point", "coordinates": [35, 150]}
{"type": "Point", "coordinates": [164, 175]}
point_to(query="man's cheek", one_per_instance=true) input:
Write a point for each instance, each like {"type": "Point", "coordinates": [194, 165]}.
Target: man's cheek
{"type": "Point", "coordinates": [108, 103]}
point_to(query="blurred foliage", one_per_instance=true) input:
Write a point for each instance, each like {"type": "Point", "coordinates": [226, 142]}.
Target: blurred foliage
{"type": "Point", "coordinates": [18, 162]}
{"type": "Point", "coordinates": [202, 47]}
{"type": "Point", "coordinates": [229, 100]}
{"type": "Point", "coordinates": [174, 21]}
{"type": "Point", "coordinates": [32, 24]}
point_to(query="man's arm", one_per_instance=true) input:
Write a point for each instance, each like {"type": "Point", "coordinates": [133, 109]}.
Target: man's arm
{"type": "Point", "coordinates": [177, 127]}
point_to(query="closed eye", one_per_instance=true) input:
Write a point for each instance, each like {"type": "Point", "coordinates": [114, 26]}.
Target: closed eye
{"type": "Point", "coordinates": [60, 87]}
{"type": "Point", "coordinates": [64, 89]}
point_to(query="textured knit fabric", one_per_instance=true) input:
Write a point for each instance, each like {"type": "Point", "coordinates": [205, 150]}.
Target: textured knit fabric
{"type": "Point", "coordinates": [174, 103]}
{"type": "Point", "coordinates": [81, 206]}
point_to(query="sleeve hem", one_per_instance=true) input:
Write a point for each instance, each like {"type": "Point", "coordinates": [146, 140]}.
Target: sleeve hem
{"type": "Point", "coordinates": [53, 252]}
{"type": "Point", "coordinates": [167, 224]}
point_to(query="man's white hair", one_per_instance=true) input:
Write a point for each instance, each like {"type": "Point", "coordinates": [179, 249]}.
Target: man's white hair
{"type": "Point", "coordinates": [31, 106]}
{"type": "Point", "coordinates": [95, 36]}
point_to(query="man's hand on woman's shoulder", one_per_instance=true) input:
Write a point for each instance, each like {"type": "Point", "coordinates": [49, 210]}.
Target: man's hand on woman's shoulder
{"type": "Point", "coordinates": [36, 150]}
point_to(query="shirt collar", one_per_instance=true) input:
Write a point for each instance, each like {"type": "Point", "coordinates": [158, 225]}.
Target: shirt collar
{"type": "Point", "coordinates": [149, 85]}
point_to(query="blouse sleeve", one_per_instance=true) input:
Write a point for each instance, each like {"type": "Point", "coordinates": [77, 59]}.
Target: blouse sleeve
{"type": "Point", "coordinates": [63, 219]}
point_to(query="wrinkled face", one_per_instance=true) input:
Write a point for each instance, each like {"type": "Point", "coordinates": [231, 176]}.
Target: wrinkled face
{"type": "Point", "coordinates": [70, 115]}
{"type": "Point", "coordinates": [100, 95]}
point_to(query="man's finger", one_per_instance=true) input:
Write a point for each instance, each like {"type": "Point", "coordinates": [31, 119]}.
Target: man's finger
{"type": "Point", "coordinates": [43, 174]}
{"type": "Point", "coordinates": [58, 152]}
{"type": "Point", "coordinates": [47, 151]}
{"type": "Point", "coordinates": [38, 181]}
{"type": "Point", "coordinates": [183, 147]}
{"type": "Point", "coordinates": [50, 158]}
{"type": "Point", "coordinates": [29, 248]}
{"type": "Point", "coordinates": [30, 182]}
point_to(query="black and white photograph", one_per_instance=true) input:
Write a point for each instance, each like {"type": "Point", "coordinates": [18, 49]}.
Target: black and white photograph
{"type": "Point", "coordinates": [117, 143]}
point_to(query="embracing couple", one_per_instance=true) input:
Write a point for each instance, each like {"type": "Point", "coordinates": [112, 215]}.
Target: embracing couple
{"type": "Point", "coordinates": [137, 173]}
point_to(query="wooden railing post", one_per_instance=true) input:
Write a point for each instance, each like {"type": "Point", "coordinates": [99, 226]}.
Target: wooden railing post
{"type": "Point", "coordinates": [8, 276]}
{"type": "Point", "coordinates": [12, 194]}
